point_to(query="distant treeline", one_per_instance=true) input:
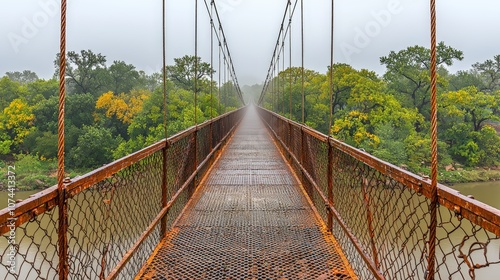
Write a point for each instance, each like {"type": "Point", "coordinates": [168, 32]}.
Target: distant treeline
{"type": "Point", "coordinates": [111, 111]}
{"type": "Point", "coordinates": [389, 116]}
{"type": "Point", "coordinates": [114, 109]}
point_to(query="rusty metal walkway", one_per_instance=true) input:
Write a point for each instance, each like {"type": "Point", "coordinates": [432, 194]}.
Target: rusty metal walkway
{"type": "Point", "coordinates": [249, 220]}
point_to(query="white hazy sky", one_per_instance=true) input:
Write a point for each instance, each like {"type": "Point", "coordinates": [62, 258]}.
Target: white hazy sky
{"type": "Point", "coordinates": [130, 30]}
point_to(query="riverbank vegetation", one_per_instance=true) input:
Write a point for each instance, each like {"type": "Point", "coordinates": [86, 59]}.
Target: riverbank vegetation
{"type": "Point", "coordinates": [389, 115]}
{"type": "Point", "coordinates": [113, 109]}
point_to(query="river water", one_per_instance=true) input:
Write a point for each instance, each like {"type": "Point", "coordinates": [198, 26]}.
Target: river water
{"type": "Point", "coordinates": [486, 192]}
{"type": "Point", "coordinates": [18, 195]}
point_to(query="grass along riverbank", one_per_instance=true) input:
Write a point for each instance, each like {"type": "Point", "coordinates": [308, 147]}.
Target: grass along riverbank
{"type": "Point", "coordinates": [469, 176]}
{"type": "Point", "coordinates": [32, 173]}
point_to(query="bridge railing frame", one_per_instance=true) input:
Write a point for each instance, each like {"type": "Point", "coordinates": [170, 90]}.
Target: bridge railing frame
{"type": "Point", "coordinates": [158, 179]}
{"type": "Point", "coordinates": [469, 227]}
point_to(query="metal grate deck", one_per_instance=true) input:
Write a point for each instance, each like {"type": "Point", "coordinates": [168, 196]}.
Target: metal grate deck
{"type": "Point", "coordinates": [249, 221]}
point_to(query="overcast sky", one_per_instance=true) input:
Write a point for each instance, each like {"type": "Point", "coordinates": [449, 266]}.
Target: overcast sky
{"type": "Point", "coordinates": [130, 30]}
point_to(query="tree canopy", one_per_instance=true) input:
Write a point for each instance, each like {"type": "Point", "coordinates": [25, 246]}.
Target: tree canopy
{"type": "Point", "coordinates": [110, 110]}
{"type": "Point", "coordinates": [388, 115]}
{"type": "Point", "coordinates": [113, 110]}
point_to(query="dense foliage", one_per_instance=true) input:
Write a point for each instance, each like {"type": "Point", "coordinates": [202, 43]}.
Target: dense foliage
{"type": "Point", "coordinates": [111, 111]}
{"type": "Point", "coordinates": [389, 116]}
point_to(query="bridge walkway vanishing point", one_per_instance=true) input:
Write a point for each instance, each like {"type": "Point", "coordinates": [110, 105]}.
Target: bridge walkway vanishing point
{"type": "Point", "coordinates": [250, 219]}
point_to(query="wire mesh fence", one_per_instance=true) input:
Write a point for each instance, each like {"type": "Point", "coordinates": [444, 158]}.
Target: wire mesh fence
{"type": "Point", "coordinates": [379, 213]}
{"type": "Point", "coordinates": [117, 215]}
{"type": "Point", "coordinates": [33, 255]}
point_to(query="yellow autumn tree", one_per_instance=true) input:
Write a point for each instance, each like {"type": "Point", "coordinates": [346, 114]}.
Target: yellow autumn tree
{"type": "Point", "coordinates": [16, 122]}
{"type": "Point", "coordinates": [124, 106]}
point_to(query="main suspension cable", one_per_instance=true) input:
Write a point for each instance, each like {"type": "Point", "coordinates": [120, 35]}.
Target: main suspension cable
{"type": "Point", "coordinates": [195, 61]}
{"type": "Point", "coordinates": [164, 67]}
{"type": "Point", "coordinates": [211, 58]}
{"type": "Point", "coordinates": [302, 58]}
{"type": "Point", "coordinates": [290, 55]}
{"type": "Point", "coordinates": [220, 71]}
{"type": "Point", "coordinates": [228, 57]}
{"type": "Point", "coordinates": [332, 56]}
{"type": "Point", "coordinates": [278, 49]}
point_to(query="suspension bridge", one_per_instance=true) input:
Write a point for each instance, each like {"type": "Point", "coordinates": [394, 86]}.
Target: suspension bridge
{"type": "Point", "coordinates": [248, 195]}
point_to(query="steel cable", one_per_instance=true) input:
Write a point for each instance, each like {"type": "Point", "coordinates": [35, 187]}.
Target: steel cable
{"type": "Point", "coordinates": [63, 218]}
{"type": "Point", "coordinates": [434, 152]}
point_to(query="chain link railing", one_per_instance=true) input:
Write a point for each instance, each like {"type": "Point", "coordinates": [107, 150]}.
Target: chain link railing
{"type": "Point", "coordinates": [117, 214]}
{"type": "Point", "coordinates": [379, 213]}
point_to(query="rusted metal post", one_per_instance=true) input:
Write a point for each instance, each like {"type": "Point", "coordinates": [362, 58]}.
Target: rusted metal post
{"type": "Point", "coordinates": [290, 138]}
{"type": "Point", "coordinates": [195, 148]}
{"type": "Point", "coordinates": [211, 137]}
{"type": "Point", "coordinates": [369, 216]}
{"type": "Point", "coordinates": [330, 185]}
{"type": "Point", "coordinates": [62, 240]}
{"type": "Point", "coordinates": [164, 191]}
{"type": "Point", "coordinates": [164, 200]}
{"type": "Point", "coordinates": [302, 151]}
{"type": "Point", "coordinates": [212, 3]}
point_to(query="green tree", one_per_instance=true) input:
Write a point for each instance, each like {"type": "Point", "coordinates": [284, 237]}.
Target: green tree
{"type": "Point", "coordinates": [46, 113]}
{"type": "Point", "coordinates": [43, 144]}
{"type": "Point", "coordinates": [345, 78]}
{"type": "Point", "coordinates": [368, 108]}
{"type": "Point", "coordinates": [471, 106]}
{"type": "Point", "coordinates": [150, 82]}
{"type": "Point", "coordinates": [291, 83]}
{"type": "Point", "coordinates": [79, 111]}
{"type": "Point", "coordinates": [10, 90]}
{"type": "Point", "coordinates": [94, 148]}
{"type": "Point", "coordinates": [488, 142]}
{"type": "Point", "coordinates": [123, 77]}
{"type": "Point", "coordinates": [408, 74]}
{"type": "Point", "coordinates": [464, 117]}
{"type": "Point", "coordinates": [228, 97]}
{"type": "Point", "coordinates": [489, 72]}
{"type": "Point", "coordinates": [86, 72]}
{"type": "Point", "coordinates": [45, 88]}
{"type": "Point", "coordinates": [391, 148]}
{"type": "Point", "coordinates": [463, 79]}
{"type": "Point", "coordinates": [418, 149]}
{"type": "Point", "coordinates": [183, 73]}
{"type": "Point", "coordinates": [16, 122]}
{"type": "Point", "coordinates": [24, 77]}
